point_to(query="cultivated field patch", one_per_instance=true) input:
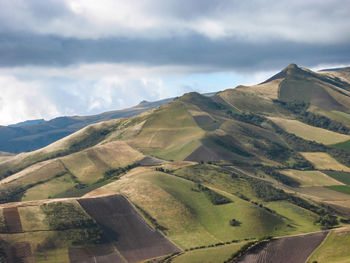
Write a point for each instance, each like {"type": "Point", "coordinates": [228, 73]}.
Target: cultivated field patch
{"type": "Point", "coordinates": [12, 220]}
{"type": "Point", "coordinates": [32, 218]}
{"type": "Point", "coordinates": [96, 254]}
{"type": "Point", "coordinates": [340, 188]}
{"type": "Point", "coordinates": [89, 165]}
{"type": "Point", "coordinates": [343, 177]}
{"type": "Point", "coordinates": [295, 249]}
{"type": "Point", "coordinates": [267, 90]}
{"type": "Point", "coordinates": [193, 219]}
{"type": "Point", "coordinates": [334, 249]}
{"type": "Point", "coordinates": [50, 188]}
{"type": "Point", "coordinates": [310, 133]}
{"type": "Point", "coordinates": [311, 178]}
{"type": "Point", "coordinates": [323, 161]}
{"type": "Point", "coordinates": [134, 238]}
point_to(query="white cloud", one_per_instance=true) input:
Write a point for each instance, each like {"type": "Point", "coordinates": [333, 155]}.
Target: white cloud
{"type": "Point", "coordinates": [310, 21]}
{"type": "Point", "coordinates": [32, 93]}
{"type": "Point", "coordinates": [22, 101]}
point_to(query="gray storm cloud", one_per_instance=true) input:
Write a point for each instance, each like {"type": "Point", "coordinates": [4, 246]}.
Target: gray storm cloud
{"type": "Point", "coordinates": [221, 34]}
{"type": "Point", "coordinates": [191, 50]}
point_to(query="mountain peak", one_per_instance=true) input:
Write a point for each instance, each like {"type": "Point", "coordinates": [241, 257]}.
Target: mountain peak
{"type": "Point", "coordinates": [143, 102]}
{"type": "Point", "coordinates": [292, 66]}
{"type": "Point", "coordinates": [290, 69]}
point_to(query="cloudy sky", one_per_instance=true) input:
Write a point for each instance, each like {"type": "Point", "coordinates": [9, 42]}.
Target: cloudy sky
{"type": "Point", "coordinates": [81, 57]}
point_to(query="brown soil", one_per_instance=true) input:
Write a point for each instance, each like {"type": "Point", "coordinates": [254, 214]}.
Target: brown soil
{"type": "Point", "coordinates": [12, 220]}
{"type": "Point", "coordinates": [150, 161]}
{"type": "Point", "coordinates": [134, 238]}
{"type": "Point", "coordinates": [204, 153]}
{"type": "Point", "coordinates": [98, 254]}
{"type": "Point", "coordinates": [20, 252]}
{"type": "Point", "coordinates": [295, 249]}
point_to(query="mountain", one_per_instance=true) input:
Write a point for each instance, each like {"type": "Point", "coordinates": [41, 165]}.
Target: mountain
{"type": "Point", "coordinates": [197, 179]}
{"type": "Point", "coordinates": [35, 134]}
{"type": "Point", "coordinates": [26, 123]}
{"type": "Point", "coordinates": [341, 73]}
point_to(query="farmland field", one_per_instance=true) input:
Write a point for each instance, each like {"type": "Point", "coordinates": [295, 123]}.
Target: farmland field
{"type": "Point", "coordinates": [49, 189]}
{"type": "Point", "coordinates": [311, 178]}
{"type": "Point", "coordinates": [341, 188]}
{"type": "Point", "coordinates": [193, 215]}
{"type": "Point", "coordinates": [334, 249]}
{"type": "Point", "coordinates": [133, 237]}
{"type": "Point", "coordinates": [294, 249]}
{"type": "Point", "coordinates": [97, 254]}
{"type": "Point", "coordinates": [323, 161]}
{"type": "Point", "coordinates": [343, 145]}
{"type": "Point", "coordinates": [339, 176]}
{"type": "Point", "coordinates": [310, 133]}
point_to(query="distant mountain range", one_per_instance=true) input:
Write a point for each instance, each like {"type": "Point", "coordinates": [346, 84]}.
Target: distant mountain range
{"type": "Point", "coordinates": [34, 134]}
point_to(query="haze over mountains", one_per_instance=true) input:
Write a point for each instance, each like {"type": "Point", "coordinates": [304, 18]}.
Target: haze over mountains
{"type": "Point", "coordinates": [196, 177]}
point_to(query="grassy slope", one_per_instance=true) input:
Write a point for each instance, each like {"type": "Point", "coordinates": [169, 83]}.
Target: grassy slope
{"type": "Point", "coordinates": [334, 249]}
{"type": "Point", "coordinates": [343, 145]}
{"type": "Point", "coordinates": [77, 141]}
{"type": "Point", "coordinates": [193, 220]}
{"type": "Point", "coordinates": [298, 218]}
{"type": "Point", "coordinates": [49, 189]}
{"type": "Point", "coordinates": [32, 218]}
{"type": "Point", "coordinates": [311, 178]}
{"type": "Point", "coordinates": [341, 188]}
{"type": "Point", "coordinates": [58, 176]}
{"type": "Point", "coordinates": [319, 90]}
{"type": "Point", "coordinates": [249, 102]}
{"type": "Point", "coordinates": [310, 133]}
{"type": "Point", "coordinates": [333, 115]}
{"type": "Point", "coordinates": [89, 165]}
{"type": "Point", "coordinates": [209, 255]}
{"type": "Point", "coordinates": [340, 176]}
{"type": "Point", "coordinates": [169, 133]}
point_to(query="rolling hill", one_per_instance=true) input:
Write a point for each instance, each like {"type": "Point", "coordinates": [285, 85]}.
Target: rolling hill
{"type": "Point", "coordinates": [199, 176]}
